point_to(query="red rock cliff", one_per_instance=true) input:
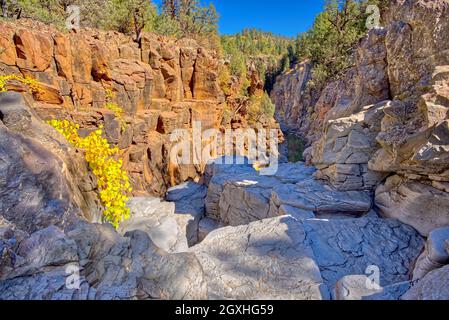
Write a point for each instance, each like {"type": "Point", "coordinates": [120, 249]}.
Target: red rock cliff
{"type": "Point", "coordinates": [163, 85]}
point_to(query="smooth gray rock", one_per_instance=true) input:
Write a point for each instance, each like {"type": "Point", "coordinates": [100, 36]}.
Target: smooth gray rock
{"type": "Point", "coordinates": [435, 256]}
{"type": "Point", "coordinates": [315, 196]}
{"type": "Point", "coordinates": [10, 240]}
{"type": "Point", "coordinates": [434, 286]}
{"type": "Point", "coordinates": [393, 292]}
{"type": "Point", "coordinates": [36, 267]}
{"type": "Point", "coordinates": [133, 267]}
{"type": "Point", "coordinates": [256, 261]}
{"type": "Point", "coordinates": [264, 260]}
{"type": "Point", "coordinates": [244, 175]}
{"type": "Point", "coordinates": [346, 146]}
{"type": "Point", "coordinates": [286, 210]}
{"type": "Point", "coordinates": [189, 195]}
{"type": "Point", "coordinates": [34, 192]}
{"type": "Point", "coordinates": [436, 245]}
{"type": "Point", "coordinates": [242, 197]}
{"type": "Point", "coordinates": [110, 267]}
{"type": "Point", "coordinates": [206, 226]}
{"type": "Point", "coordinates": [226, 165]}
{"type": "Point", "coordinates": [354, 287]}
{"type": "Point", "coordinates": [417, 204]}
{"type": "Point", "coordinates": [22, 255]}
{"type": "Point", "coordinates": [361, 287]}
{"type": "Point", "coordinates": [218, 175]}
{"type": "Point", "coordinates": [214, 191]}
{"type": "Point", "coordinates": [158, 219]}
{"type": "Point", "coordinates": [45, 248]}
{"type": "Point", "coordinates": [50, 285]}
{"type": "Point", "coordinates": [247, 200]}
{"type": "Point", "coordinates": [424, 265]}
{"type": "Point", "coordinates": [43, 180]}
{"type": "Point", "coordinates": [189, 199]}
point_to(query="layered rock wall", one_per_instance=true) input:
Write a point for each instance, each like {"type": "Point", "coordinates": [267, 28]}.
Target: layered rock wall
{"type": "Point", "coordinates": [50, 249]}
{"type": "Point", "coordinates": [44, 181]}
{"type": "Point", "coordinates": [388, 116]}
{"type": "Point", "coordinates": [162, 86]}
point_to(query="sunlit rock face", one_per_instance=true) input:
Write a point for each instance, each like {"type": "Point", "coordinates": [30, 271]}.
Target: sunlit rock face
{"type": "Point", "coordinates": [44, 181]}
{"type": "Point", "coordinates": [165, 85]}
{"type": "Point", "coordinates": [388, 116]}
{"type": "Point", "coordinates": [286, 258]}
{"type": "Point", "coordinates": [238, 195]}
{"type": "Point", "coordinates": [378, 188]}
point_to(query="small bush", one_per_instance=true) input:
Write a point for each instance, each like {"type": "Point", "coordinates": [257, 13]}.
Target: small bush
{"type": "Point", "coordinates": [259, 106]}
{"type": "Point", "coordinates": [330, 43]}
{"type": "Point", "coordinates": [112, 179]}
{"type": "Point", "coordinates": [31, 83]}
{"type": "Point", "coordinates": [295, 147]}
{"type": "Point", "coordinates": [224, 79]}
{"type": "Point", "coordinates": [267, 106]}
{"type": "Point", "coordinates": [118, 111]}
{"type": "Point", "coordinates": [47, 11]}
{"type": "Point", "coordinates": [227, 115]}
{"type": "Point", "coordinates": [238, 65]}
{"type": "Point", "coordinates": [244, 87]}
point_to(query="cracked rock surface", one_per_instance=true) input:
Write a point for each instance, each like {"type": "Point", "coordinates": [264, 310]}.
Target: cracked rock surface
{"type": "Point", "coordinates": [351, 246]}
{"type": "Point", "coordinates": [110, 267]}
{"type": "Point", "coordinates": [158, 219]}
{"type": "Point", "coordinates": [287, 258]}
{"type": "Point", "coordinates": [434, 286]}
{"type": "Point", "coordinates": [240, 195]}
{"type": "Point", "coordinates": [264, 260]}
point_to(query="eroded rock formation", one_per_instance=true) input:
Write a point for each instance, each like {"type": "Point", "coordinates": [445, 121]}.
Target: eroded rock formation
{"type": "Point", "coordinates": [378, 189]}
{"type": "Point", "coordinates": [301, 249]}
{"type": "Point", "coordinates": [240, 195]}
{"type": "Point", "coordinates": [48, 234]}
{"type": "Point", "coordinates": [44, 181]}
{"type": "Point", "coordinates": [386, 117]}
{"type": "Point", "coordinates": [383, 127]}
{"type": "Point", "coordinates": [290, 254]}
{"type": "Point", "coordinates": [162, 86]}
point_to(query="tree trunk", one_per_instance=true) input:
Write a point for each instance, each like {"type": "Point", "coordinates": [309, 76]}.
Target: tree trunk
{"type": "Point", "coordinates": [4, 9]}
{"type": "Point", "coordinates": [138, 29]}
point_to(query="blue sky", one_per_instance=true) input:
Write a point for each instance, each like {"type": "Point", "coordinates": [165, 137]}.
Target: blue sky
{"type": "Point", "coordinates": [284, 17]}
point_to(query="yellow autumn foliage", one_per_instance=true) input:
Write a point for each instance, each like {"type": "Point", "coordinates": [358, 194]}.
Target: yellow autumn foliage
{"type": "Point", "coordinates": [112, 179]}
{"type": "Point", "coordinates": [118, 111]}
{"type": "Point", "coordinates": [32, 84]}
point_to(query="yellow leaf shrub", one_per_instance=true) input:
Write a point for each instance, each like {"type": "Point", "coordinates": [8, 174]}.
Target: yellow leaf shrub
{"type": "Point", "coordinates": [118, 111]}
{"type": "Point", "coordinates": [32, 84]}
{"type": "Point", "coordinates": [112, 180]}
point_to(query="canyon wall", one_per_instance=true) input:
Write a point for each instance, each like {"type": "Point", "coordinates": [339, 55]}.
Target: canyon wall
{"type": "Point", "coordinates": [384, 126]}
{"type": "Point", "coordinates": [46, 195]}
{"type": "Point", "coordinates": [379, 138]}
{"type": "Point", "coordinates": [163, 85]}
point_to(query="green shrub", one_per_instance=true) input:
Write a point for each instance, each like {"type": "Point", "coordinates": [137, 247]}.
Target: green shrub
{"type": "Point", "coordinates": [260, 105]}
{"type": "Point", "coordinates": [267, 106]}
{"type": "Point", "coordinates": [295, 147]}
{"type": "Point", "coordinates": [224, 79]}
{"type": "Point", "coordinates": [330, 43]}
{"type": "Point", "coordinates": [238, 65]}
